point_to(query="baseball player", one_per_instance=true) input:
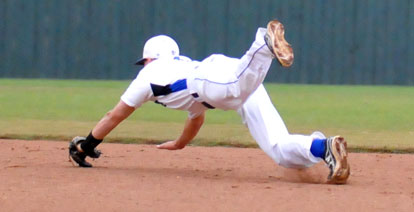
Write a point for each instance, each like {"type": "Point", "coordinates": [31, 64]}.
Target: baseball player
{"type": "Point", "coordinates": [178, 83]}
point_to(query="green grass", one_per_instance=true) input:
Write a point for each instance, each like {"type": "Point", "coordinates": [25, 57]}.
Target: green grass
{"type": "Point", "coordinates": [372, 118]}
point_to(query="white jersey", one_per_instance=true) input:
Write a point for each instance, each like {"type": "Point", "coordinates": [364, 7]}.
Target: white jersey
{"type": "Point", "coordinates": [216, 82]}
{"type": "Point", "coordinates": [163, 81]}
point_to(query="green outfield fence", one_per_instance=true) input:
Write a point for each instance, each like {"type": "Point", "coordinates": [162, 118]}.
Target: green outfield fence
{"type": "Point", "coordinates": [335, 41]}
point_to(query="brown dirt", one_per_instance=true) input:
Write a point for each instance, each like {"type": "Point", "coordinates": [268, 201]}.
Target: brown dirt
{"type": "Point", "coordinates": [37, 176]}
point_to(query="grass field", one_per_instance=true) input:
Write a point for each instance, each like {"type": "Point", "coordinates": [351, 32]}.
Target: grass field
{"type": "Point", "coordinates": [372, 118]}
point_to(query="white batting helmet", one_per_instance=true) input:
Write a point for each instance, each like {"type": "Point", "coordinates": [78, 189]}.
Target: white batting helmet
{"type": "Point", "coordinates": [159, 46]}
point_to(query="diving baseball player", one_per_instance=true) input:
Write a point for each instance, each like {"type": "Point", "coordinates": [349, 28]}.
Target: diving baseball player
{"type": "Point", "coordinates": [216, 82]}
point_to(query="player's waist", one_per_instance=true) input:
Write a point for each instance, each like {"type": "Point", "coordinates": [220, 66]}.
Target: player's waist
{"type": "Point", "coordinates": [179, 85]}
{"type": "Point", "coordinates": [193, 90]}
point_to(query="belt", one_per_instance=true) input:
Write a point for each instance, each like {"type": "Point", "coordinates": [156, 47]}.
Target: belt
{"type": "Point", "coordinates": [207, 105]}
{"type": "Point", "coordinates": [160, 90]}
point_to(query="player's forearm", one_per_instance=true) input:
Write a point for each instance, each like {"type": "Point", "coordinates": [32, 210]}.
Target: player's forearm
{"type": "Point", "coordinates": [111, 120]}
{"type": "Point", "coordinates": [192, 126]}
{"type": "Point", "coordinates": [104, 127]}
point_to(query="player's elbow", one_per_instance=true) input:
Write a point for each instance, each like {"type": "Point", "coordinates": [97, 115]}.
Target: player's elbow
{"type": "Point", "coordinates": [120, 112]}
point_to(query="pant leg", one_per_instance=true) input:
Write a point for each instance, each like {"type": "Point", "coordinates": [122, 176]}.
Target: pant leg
{"type": "Point", "coordinates": [269, 131]}
{"type": "Point", "coordinates": [254, 65]}
{"type": "Point", "coordinates": [226, 82]}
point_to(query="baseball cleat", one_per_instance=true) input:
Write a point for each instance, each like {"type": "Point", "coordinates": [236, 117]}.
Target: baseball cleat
{"type": "Point", "coordinates": [275, 40]}
{"type": "Point", "coordinates": [76, 155]}
{"type": "Point", "coordinates": [336, 158]}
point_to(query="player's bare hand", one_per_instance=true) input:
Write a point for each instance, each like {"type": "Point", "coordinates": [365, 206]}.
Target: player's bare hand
{"type": "Point", "coordinates": [169, 145]}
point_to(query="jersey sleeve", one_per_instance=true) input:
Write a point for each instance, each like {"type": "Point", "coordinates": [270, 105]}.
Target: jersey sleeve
{"type": "Point", "coordinates": [138, 92]}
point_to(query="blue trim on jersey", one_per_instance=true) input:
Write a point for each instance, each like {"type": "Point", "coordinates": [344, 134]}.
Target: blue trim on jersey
{"type": "Point", "coordinates": [179, 85]}
{"type": "Point", "coordinates": [162, 90]}
{"type": "Point", "coordinates": [227, 83]}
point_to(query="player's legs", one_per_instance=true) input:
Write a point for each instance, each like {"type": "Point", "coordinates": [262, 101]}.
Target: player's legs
{"type": "Point", "coordinates": [269, 131]}
{"type": "Point", "coordinates": [226, 82]}
{"type": "Point", "coordinates": [254, 65]}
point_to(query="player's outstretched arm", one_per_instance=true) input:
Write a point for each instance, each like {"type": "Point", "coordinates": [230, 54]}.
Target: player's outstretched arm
{"type": "Point", "coordinates": [191, 128]}
{"type": "Point", "coordinates": [120, 112]}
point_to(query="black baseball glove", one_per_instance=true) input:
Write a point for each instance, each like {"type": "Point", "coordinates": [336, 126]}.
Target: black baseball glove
{"type": "Point", "coordinates": [77, 155]}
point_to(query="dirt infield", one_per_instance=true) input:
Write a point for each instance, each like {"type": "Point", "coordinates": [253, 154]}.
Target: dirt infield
{"type": "Point", "coordinates": [37, 176]}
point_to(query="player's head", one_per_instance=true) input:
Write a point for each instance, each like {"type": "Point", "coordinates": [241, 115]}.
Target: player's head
{"type": "Point", "coordinates": [159, 46]}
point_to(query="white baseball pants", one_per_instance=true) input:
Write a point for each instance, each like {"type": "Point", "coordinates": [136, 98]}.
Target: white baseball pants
{"type": "Point", "coordinates": [268, 129]}
{"type": "Point", "coordinates": [225, 82]}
